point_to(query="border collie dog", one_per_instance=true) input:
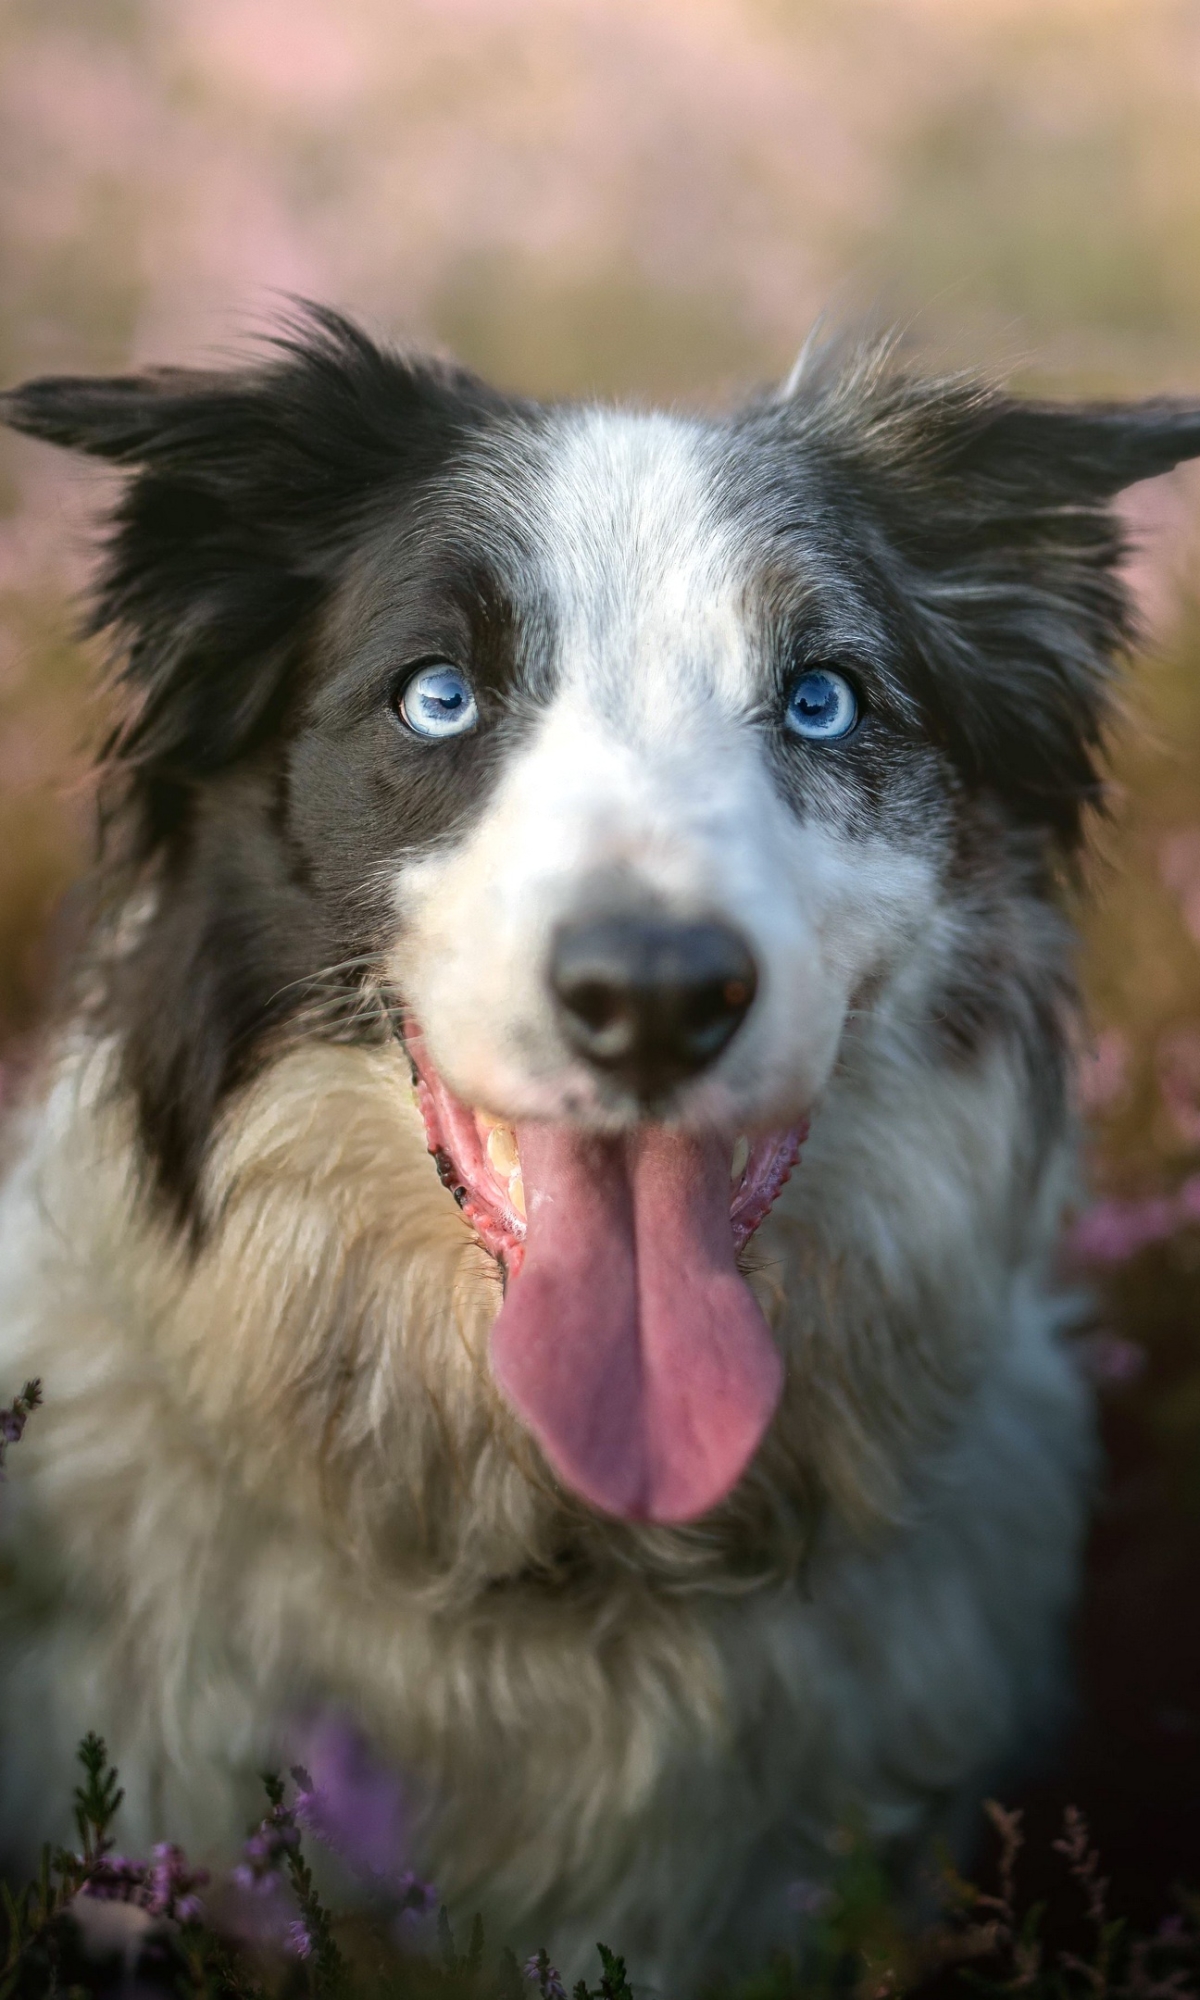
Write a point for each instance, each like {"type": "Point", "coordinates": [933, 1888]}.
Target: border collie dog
{"type": "Point", "coordinates": [537, 1225]}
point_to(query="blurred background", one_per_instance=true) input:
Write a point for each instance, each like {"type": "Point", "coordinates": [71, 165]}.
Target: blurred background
{"type": "Point", "coordinates": [657, 197]}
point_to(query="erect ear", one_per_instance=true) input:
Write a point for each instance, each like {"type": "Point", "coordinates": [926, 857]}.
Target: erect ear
{"type": "Point", "coordinates": [1002, 563]}
{"type": "Point", "coordinates": [248, 487]}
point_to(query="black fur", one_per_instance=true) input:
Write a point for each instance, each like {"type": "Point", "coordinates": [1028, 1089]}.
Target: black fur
{"type": "Point", "coordinates": [252, 492]}
{"type": "Point", "coordinates": [981, 530]}
{"type": "Point", "coordinates": [253, 496]}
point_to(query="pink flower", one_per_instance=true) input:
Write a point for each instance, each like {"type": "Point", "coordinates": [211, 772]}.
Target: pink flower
{"type": "Point", "coordinates": [1179, 867]}
{"type": "Point", "coordinates": [1179, 1081]}
{"type": "Point", "coordinates": [1102, 1071]}
{"type": "Point", "coordinates": [1112, 1231]}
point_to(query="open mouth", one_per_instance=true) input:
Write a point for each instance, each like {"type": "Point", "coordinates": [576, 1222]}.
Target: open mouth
{"type": "Point", "coordinates": [629, 1344]}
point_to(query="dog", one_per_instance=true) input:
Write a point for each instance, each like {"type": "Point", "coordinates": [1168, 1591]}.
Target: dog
{"type": "Point", "coordinates": [537, 1216]}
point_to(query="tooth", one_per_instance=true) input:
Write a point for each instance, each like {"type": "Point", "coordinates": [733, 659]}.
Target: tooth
{"type": "Point", "coordinates": [516, 1193]}
{"type": "Point", "coordinates": [502, 1150]}
{"type": "Point", "coordinates": [741, 1153]}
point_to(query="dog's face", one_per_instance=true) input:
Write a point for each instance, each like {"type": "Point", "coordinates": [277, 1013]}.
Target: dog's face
{"type": "Point", "coordinates": [624, 760]}
{"type": "Point", "coordinates": [610, 695]}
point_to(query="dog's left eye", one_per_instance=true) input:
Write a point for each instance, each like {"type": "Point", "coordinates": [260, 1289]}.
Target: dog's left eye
{"type": "Point", "coordinates": [438, 700]}
{"type": "Point", "coordinates": [821, 706]}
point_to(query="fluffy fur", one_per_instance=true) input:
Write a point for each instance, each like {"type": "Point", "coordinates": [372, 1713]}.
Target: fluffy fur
{"type": "Point", "coordinates": [273, 1473]}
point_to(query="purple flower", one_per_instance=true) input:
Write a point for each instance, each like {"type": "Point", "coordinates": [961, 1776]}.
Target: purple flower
{"type": "Point", "coordinates": [539, 1971]}
{"type": "Point", "coordinates": [13, 1421]}
{"type": "Point", "coordinates": [116, 1879]}
{"type": "Point", "coordinates": [299, 1938]}
{"type": "Point", "coordinates": [171, 1884]}
{"type": "Point", "coordinates": [164, 1886]}
{"type": "Point", "coordinates": [255, 1881]}
{"type": "Point", "coordinates": [258, 1871]}
{"type": "Point", "coordinates": [356, 1805]}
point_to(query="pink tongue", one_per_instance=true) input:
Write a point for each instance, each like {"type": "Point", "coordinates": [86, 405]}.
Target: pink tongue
{"type": "Point", "coordinates": [628, 1342]}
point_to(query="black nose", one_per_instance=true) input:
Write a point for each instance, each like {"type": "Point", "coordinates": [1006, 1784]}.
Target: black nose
{"type": "Point", "coordinates": [649, 1001]}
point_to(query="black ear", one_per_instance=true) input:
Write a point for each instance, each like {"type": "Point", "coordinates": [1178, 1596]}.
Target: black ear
{"type": "Point", "coordinates": [1081, 451]}
{"type": "Point", "coordinates": [248, 489]}
{"type": "Point", "coordinates": [1000, 554]}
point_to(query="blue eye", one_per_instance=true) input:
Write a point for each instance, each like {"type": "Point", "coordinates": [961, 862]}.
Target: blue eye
{"type": "Point", "coordinates": [439, 701]}
{"type": "Point", "coordinates": [822, 706]}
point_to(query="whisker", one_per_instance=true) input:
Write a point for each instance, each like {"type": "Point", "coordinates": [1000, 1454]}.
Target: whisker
{"type": "Point", "coordinates": [332, 1002]}
{"type": "Point", "coordinates": [364, 960]}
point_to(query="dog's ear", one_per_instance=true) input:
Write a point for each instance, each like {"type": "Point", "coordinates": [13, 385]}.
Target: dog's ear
{"type": "Point", "coordinates": [247, 488]}
{"type": "Point", "coordinates": [1082, 452]}
{"type": "Point", "coordinates": [1001, 560]}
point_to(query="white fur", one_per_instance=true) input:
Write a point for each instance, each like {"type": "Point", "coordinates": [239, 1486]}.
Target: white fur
{"type": "Point", "coordinates": [646, 771]}
{"type": "Point", "coordinates": [283, 1480]}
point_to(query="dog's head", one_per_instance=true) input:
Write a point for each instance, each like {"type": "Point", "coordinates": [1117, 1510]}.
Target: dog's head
{"type": "Point", "coordinates": [620, 760]}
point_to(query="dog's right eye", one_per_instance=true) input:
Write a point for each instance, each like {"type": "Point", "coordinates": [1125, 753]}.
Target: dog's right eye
{"type": "Point", "coordinates": [438, 700]}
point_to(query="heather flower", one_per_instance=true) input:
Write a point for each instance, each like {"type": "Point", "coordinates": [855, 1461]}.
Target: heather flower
{"type": "Point", "coordinates": [299, 1938]}
{"type": "Point", "coordinates": [164, 1886]}
{"type": "Point", "coordinates": [1179, 867]}
{"type": "Point", "coordinates": [116, 1879]}
{"type": "Point", "coordinates": [171, 1885]}
{"type": "Point", "coordinates": [540, 1973]}
{"type": "Point", "coordinates": [355, 1805]}
{"type": "Point", "coordinates": [13, 1421]}
{"type": "Point", "coordinates": [1178, 1057]}
{"type": "Point", "coordinates": [1102, 1072]}
{"type": "Point", "coordinates": [306, 1806]}
{"type": "Point", "coordinates": [258, 1871]}
{"type": "Point", "coordinates": [1112, 1231]}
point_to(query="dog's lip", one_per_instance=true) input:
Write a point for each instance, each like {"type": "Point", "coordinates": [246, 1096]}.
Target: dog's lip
{"type": "Point", "coordinates": [466, 1143]}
